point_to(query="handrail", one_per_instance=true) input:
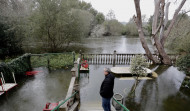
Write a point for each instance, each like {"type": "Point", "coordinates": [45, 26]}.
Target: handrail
{"type": "Point", "coordinates": [64, 101]}
{"type": "Point", "coordinates": [121, 105]}
{"type": "Point", "coordinates": [44, 54]}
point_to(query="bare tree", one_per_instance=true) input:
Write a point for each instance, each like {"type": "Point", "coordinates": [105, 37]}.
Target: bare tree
{"type": "Point", "coordinates": [159, 39]}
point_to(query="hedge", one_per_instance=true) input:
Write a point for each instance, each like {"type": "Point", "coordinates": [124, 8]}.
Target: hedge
{"type": "Point", "coordinates": [17, 66]}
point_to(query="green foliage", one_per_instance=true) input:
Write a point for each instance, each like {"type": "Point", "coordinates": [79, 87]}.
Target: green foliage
{"type": "Point", "coordinates": [130, 28]}
{"type": "Point", "coordinates": [56, 61]}
{"type": "Point", "coordinates": [53, 24]}
{"type": "Point", "coordinates": [183, 64]}
{"type": "Point", "coordinates": [44, 25]}
{"type": "Point", "coordinates": [179, 41]}
{"type": "Point", "coordinates": [179, 38]}
{"type": "Point", "coordinates": [138, 66]}
{"type": "Point", "coordinates": [100, 18]}
{"type": "Point", "coordinates": [18, 66]}
{"type": "Point", "coordinates": [9, 43]}
{"type": "Point", "coordinates": [114, 27]}
{"type": "Point", "coordinates": [86, 19]}
{"type": "Point", "coordinates": [186, 83]}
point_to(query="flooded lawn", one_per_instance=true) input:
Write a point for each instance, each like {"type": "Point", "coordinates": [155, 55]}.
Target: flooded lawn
{"type": "Point", "coordinates": [32, 93]}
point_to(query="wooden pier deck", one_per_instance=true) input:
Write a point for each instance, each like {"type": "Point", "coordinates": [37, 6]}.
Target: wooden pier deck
{"type": "Point", "coordinates": [1, 93]}
{"type": "Point", "coordinates": [125, 70]}
{"type": "Point", "coordinates": [94, 107]}
{"type": "Point", "coordinates": [6, 87]}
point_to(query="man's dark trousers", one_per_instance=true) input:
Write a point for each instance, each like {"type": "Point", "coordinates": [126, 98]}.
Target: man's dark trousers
{"type": "Point", "coordinates": [106, 104]}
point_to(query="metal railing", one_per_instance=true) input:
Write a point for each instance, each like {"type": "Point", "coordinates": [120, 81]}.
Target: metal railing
{"type": "Point", "coordinates": [57, 107]}
{"type": "Point", "coordinates": [124, 108]}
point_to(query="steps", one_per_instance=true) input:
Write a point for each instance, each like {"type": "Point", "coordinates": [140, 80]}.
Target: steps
{"type": "Point", "coordinates": [93, 107]}
{"type": "Point", "coordinates": [74, 106]}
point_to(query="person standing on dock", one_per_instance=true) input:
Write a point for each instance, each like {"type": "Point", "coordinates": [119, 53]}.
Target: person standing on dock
{"type": "Point", "coordinates": [106, 89]}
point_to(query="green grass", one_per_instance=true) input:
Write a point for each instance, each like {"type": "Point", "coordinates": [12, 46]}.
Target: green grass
{"type": "Point", "coordinates": [56, 61]}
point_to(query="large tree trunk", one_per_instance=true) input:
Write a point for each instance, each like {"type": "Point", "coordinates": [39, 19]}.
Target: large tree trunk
{"type": "Point", "coordinates": [155, 21]}
{"type": "Point", "coordinates": [138, 22]}
{"type": "Point", "coordinates": [164, 58]}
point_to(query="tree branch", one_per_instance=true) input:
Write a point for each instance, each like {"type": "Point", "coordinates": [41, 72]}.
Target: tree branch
{"type": "Point", "coordinates": [165, 20]}
{"type": "Point", "coordinates": [172, 22]}
{"type": "Point", "coordinates": [138, 21]}
{"type": "Point", "coordinates": [183, 13]}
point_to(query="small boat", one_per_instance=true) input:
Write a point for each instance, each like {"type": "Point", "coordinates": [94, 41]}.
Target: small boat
{"type": "Point", "coordinates": [84, 67]}
{"type": "Point", "coordinates": [50, 106]}
{"type": "Point", "coordinates": [85, 64]}
{"type": "Point", "coordinates": [32, 73]}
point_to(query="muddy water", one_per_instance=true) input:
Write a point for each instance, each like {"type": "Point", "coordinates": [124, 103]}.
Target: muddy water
{"type": "Point", "coordinates": [160, 94]}
{"type": "Point", "coordinates": [32, 93]}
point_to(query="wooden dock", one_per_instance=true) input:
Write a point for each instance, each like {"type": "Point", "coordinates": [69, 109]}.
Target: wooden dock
{"type": "Point", "coordinates": [94, 107]}
{"type": "Point", "coordinates": [1, 93]}
{"type": "Point", "coordinates": [125, 70]}
{"type": "Point", "coordinates": [6, 87]}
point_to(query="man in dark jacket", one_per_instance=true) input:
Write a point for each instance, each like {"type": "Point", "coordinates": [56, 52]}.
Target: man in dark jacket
{"type": "Point", "coordinates": [106, 90]}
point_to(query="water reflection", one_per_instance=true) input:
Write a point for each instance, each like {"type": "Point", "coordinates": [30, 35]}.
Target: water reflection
{"type": "Point", "coordinates": [33, 93]}
{"type": "Point", "coordinates": [121, 44]}
{"type": "Point", "coordinates": [150, 95]}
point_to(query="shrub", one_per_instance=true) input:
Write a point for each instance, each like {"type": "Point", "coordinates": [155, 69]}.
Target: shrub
{"type": "Point", "coordinates": [138, 66]}
{"type": "Point", "coordinates": [183, 64]}
{"type": "Point", "coordinates": [18, 66]}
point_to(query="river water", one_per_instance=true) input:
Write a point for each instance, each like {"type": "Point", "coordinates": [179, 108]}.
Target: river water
{"type": "Point", "coordinates": [160, 94]}
{"type": "Point", "coordinates": [121, 44]}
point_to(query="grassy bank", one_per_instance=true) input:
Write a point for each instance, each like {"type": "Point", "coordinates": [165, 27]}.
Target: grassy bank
{"type": "Point", "coordinates": [56, 61]}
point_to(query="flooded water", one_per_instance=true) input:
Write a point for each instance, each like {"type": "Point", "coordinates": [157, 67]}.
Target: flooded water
{"type": "Point", "coordinates": [160, 94]}
{"type": "Point", "coordinates": [121, 44]}
{"type": "Point", "coordinates": [32, 93]}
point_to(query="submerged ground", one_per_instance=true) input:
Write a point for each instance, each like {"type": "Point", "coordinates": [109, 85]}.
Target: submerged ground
{"type": "Point", "coordinates": [161, 94]}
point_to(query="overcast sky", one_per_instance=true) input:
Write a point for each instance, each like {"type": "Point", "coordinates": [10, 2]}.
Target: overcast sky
{"type": "Point", "coordinates": [125, 9]}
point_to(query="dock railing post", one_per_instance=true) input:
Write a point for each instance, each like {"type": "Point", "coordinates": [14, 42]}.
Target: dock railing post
{"type": "Point", "coordinates": [48, 62]}
{"type": "Point", "coordinates": [73, 53]}
{"type": "Point", "coordinates": [80, 56]}
{"type": "Point", "coordinates": [114, 58]}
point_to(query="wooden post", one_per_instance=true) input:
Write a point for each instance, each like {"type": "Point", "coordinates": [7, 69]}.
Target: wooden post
{"type": "Point", "coordinates": [80, 52]}
{"type": "Point", "coordinates": [48, 62]}
{"type": "Point", "coordinates": [114, 58]}
{"type": "Point", "coordinates": [78, 68]}
{"type": "Point", "coordinates": [73, 53]}
{"type": "Point", "coordinates": [30, 65]}
{"type": "Point", "coordinates": [14, 77]}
